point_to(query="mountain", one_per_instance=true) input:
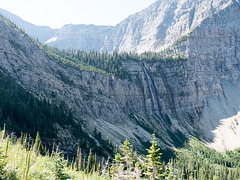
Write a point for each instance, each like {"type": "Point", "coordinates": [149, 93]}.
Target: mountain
{"type": "Point", "coordinates": [42, 33]}
{"type": "Point", "coordinates": [97, 99]}
{"type": "Point", "coordinates": [158, 26]}
{"type": "Point", "coordinates": [154, 29]}
{"type": "Point", "coordinates": [84, 37]}
{"type": "Point", "coordinates": [213, 52]}
{"type": "Point", "coordinates": [192, 88]}
{"type": "Point", "coordinates": [27, 101]}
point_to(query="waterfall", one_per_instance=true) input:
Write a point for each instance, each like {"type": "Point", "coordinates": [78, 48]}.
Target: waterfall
{"type": "Point", "coordinates": [155, 102]}
{"type": "Point", "coordinates": [154, 97]}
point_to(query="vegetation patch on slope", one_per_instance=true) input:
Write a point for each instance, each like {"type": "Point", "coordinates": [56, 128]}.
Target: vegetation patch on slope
{"type": "Point", "coordinates": [23, 112]}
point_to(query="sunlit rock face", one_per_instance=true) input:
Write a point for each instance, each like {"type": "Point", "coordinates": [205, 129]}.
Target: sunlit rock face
{"type": "Point", "coordinates": [221, 117]}
{"type": "Point", "coordinates": [84, 37]}
{"type": "Point", "coordinates": [162, 23]}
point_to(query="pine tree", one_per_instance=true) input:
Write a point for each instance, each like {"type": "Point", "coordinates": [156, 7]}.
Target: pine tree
{"type": "Point", "coordinates": [170, 169]}
{"type": "Point", "coordinates": [80, 160]}
{"type": "Point", "coordinates": [94, 161]}
{"type": "Point", "coordinates": [123, 163]}
{"type": "Point", "coordinates": [89, 163]}
{"type": "Point", "coordinates": [153, 162]}
{"type": "Point", "coordinates": [59, 167]}
{"type": "Point", "coordinates": [6, 149]}
{"type": "Point", "coordinates": [127, 158]}
{"type": "Point", "coordinates": [37, 143]}
{"type": "Point", "coordinates": [116, 166]}
{"type": "Point", "coordinates": [28, 164]}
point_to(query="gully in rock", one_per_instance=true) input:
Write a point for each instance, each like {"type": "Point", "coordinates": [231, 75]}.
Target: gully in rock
{"type": "Point", "coordinates": [155, 102]}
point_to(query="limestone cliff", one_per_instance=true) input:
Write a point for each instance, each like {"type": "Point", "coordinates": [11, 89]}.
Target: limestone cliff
{"type": "Point", "coordinates": [118, 107]}
{"type": "Point", "coordinates": [158, 26]}
{"type": "Point", "coordinates": [84, 37]}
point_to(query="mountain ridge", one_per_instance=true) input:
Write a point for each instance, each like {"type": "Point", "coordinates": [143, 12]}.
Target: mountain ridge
{"type": "Point", "coordinates": [42, 33]}
{"type": "Point", "coordinates": [84, 37]}
{"type": "Point", "coordinates": [163, 23]}
{"type": "Point", "coordinates": [152, 29]}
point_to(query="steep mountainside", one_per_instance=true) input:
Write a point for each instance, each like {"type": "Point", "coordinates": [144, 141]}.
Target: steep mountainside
{"type": "Point", "coordinates": [84, 37]}
{"type": "Point", "coordinates": [42, 33]}
{"type": "Point", "coordinates": [153, 29]}
{"type": "Point", "coordinates": [118, 108]}
{"type": "Point", "coordinates": [214, 53]}
{"type": "Point", "coordinates": [174, 96]}
{"type": "Point", "coordinates": [158, 26]}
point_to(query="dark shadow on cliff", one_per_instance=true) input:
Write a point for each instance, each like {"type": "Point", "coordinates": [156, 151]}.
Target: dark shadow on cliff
{"type": "Point", "coordinates": [224, 106]}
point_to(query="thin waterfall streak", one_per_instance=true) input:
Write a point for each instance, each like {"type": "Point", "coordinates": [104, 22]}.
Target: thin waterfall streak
{"type": "Point", "coordinates": [154, 98]}
{"type": "Point", "coordinates": [155, 102]}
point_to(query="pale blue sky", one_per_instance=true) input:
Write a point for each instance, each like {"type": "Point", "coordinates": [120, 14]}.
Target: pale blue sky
{"type": "Point", "coordinates": [56, 13]}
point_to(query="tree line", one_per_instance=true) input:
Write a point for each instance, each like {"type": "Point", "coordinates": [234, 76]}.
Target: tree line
{"type": "Point", "coordinates": [21, 158]}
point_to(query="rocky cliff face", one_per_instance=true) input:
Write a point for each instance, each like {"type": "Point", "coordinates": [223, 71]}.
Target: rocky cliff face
{"type": "Point", "coordinates": [84, 37]}
{"type": "Point", "coordinates": [189, 91]}
{"type": "Point", "coordinates": [214, 51]}
{"type": "Point", "coordinates": [213, 72]}
{"type": "Point", "coordinates": [118, 108]}
{"type": "Point", "coordinates": [153, 29]}
{"type": "Point", "coordinates": [158, 26]}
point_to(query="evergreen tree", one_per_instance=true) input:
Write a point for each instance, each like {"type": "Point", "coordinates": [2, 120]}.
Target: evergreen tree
{"type": "Point", "coordinates": [27, 164]}
{"type": "Point", "coordinates": [80, 159]}
{"type": "Point", "coordinates": [89, 163]}
{"type": "Point", "coordinates": [117, 166]}
{"type": "Point", "coordinates": [123, 165]}
{"type": "Point", "coordinates": [4, 131]}
{"type": "Point", "coordinates": [127, 158]}
{"type": "Point", "coordinates": [59, 167]}
{"type": "Point", "coordinates": [37, 143]}
{"type": "Point", "coordinates": [153, 162]}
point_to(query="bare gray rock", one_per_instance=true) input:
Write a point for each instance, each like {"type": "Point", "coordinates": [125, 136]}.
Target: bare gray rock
{"type": "Point", "coordinates": [84, 37]}
{"type": "Point", "coordinates": [162, 23]}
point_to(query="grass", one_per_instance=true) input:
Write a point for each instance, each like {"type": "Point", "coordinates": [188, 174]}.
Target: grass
{"type": "Point", "coordinates": [22, 162]}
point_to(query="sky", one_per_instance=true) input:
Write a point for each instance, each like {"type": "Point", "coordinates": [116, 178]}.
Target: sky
{"type": "Point", "coordinates": [56, 13]}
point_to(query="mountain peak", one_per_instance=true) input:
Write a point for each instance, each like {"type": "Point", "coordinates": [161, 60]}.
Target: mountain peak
{"type": "Point", "coordinates": [152, 29]}
{"type": "Point", "coordinates": [162, 23]}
